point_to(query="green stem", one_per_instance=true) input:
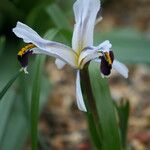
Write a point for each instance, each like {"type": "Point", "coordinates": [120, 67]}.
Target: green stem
{"type": "Point", "coordinates": [92, 115]}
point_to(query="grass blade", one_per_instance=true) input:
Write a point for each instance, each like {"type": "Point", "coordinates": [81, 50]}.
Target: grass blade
{"type": "Point", "coordinates": [16, 125]}
{"type": "Point", "coordinates": [8, 85]}
{"type": "Point", "coordinates": [5, 111]}
{"type": "Point", "coordinates": [51, 33]}
{"type": "Point", "coordinates": [123, 109]}
{"type": "Point", "coordinates": [93, 131]}
{"type": "Point", "coordinates": [58, 17]}
{"type": "Point", "coordinates": [91, 107]}
{"type": "Point", "coordinates": [36, 92]}
{"type": "Point", "coordinates": [35, 101]}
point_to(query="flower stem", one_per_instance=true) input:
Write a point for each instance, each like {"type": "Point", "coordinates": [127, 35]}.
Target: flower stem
{"type": "Point", "coordinates": [92, 115]}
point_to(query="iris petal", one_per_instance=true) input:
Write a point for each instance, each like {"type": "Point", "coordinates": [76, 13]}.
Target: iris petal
{"type": "Point", "coordinates": [104, 46]}
{"type": "Point", "coordinates": [79, 96]}
{"type": "Point", "coordinates": [85, 17]}
{"type": "Point", "coordinates": [121, 68]}
{"type": "Point", "coordinates": [105, 67]}
{"type": "Point", "coordinates": [59, 63]}
{"type": "Point", "coordinates": [87, 56]}
{"type": "Point", "coordinates": [50, 48]}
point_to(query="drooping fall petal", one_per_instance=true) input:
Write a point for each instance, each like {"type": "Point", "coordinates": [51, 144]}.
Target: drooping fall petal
{"type": "Point", "coordinates": [79, 96]}
{"type": "Point", "coordinates": [121, 68]}
{"type": "Point", "coordinates": [50, 48]}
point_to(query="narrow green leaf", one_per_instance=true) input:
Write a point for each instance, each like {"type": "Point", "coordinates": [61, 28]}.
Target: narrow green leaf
{"type": "Point", "coordinates": [36, 93]}
{"type": "Point", "coordinates": [15, 127]}
{"type": "Point", "coordinates": [100, 104]}
{"type": "Point", "coordinates": [51, 33]}
{"type": "Point", "coordinates": [35, 101]}
{"type": "Point", "coordinates": [92, 118]}
{"type": "Point", "coordinates": [8, 85]}
{"type": "Point", "coordinates": [93, 131]}
{"type": "Point", "coordinates": [123, 109]}
{"type": "Point", "coordinates": [67, 35]}
{"type": "Point", "coordinates": [105, 109]}
{"type": "Point", "coordinates": [36, 23]}
{"type": "Point", "coordinates": [12, 111]}
{"type": "Point", "coordinates": [58, 17]}
{"type": "Point", "coordinates": [5, 111]}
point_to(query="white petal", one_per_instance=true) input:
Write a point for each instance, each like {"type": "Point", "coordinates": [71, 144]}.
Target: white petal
{"type": "Point", "coordinates": [87, 56]}
{"type": "Point", "coordinates": [85, 17]}
{"type": "Point", "coordinates": [121, 68]}
{"type": "Point", "coordinates": [79, 96]}
{"type": "Point", "coordinates": [25, 28]}
{"type": "Point", "coordinates": [104, 46]}
{"type": "Point", "coordinates": [59, 63]}
{"type": "Point", "coordinates": [98, 20]}
{"type": "Point", "coordinates": [97, 60]}
{"type": "Point", "coordinates": [50, 48]}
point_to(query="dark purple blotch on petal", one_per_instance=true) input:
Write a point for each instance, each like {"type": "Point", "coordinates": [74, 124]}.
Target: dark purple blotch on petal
{"type": "Point", "coordinates": [111, 56]}
{"type": "Point", "coordinates": [24, 58]}
{"type": "Point", "coordinates": [105, 67]}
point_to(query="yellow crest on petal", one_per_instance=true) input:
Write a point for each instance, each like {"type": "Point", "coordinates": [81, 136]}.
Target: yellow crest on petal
{"type": "Point", "coordinates": [108, 58]}
{"type": "Point", "coordinates": [25, 49]}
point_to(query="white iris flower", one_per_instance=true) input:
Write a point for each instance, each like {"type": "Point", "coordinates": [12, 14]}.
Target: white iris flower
{"type": "Point", "coordinates": [82, 50]}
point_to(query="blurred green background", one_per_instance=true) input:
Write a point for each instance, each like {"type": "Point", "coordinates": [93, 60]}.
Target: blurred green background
{"type": "Point", "coordinates": [125, 23]}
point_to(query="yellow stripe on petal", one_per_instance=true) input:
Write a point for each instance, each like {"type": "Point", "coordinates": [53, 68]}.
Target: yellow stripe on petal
{"type": "Point", "coordinates": [108, 58]}
{"type": "Point", "coordinates": [25, 49]}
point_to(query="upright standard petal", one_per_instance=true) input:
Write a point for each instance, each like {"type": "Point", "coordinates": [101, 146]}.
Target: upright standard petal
{"type": "Point", "coordinates": [79, 96]}
{"type": "Point", "coordinates": [121, 68]}
{"type": "Point", "coordinates": [85, 17]}
{"type": "Point", "coordinates": [50, 48]}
